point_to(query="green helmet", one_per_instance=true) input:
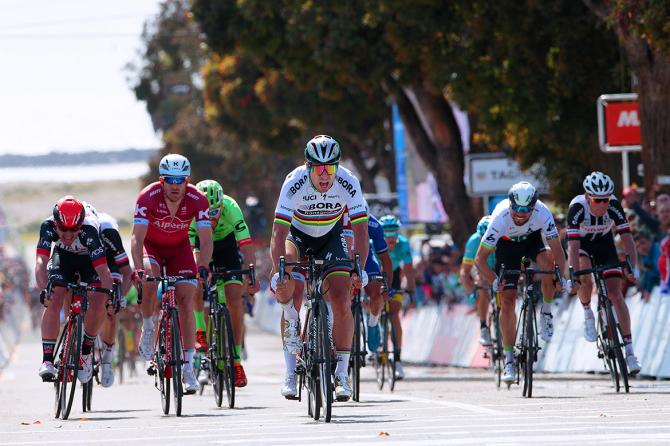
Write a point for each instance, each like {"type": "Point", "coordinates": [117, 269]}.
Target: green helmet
{"type": "Point", "coordinates": [390, 223]}
{"type": "Point", "coordinates": [213, 191]}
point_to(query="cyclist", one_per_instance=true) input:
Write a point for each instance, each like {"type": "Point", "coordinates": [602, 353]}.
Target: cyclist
{"type": "Point", "coordinates": [591, 217]}
{"type": "Point", "coordinates": [471, 279]}
{"type": "Point", "coordinates": [309, 216]}
{"type": "Point", "coordinates": [163, 214]}
{"type": "Point", "coordinates": [78, 250]}
{"type": "Point", "coordinates": [231, 237]}
{"type": "Point", "coordinates": [117, 261]}
{"type": "Point", "coordinates": [401, 257]}
{"type": "Point", "coordinates": [515, 231]}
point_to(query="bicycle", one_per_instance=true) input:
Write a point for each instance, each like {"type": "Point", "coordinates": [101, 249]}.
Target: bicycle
{"type": "Point", "coordinates": [610, 339]}
{"type": "Point", "coordinates": [359, 352]}
{"type": "Point", "coordinates": [527, 345]}
{"type": "Point", "coordinates": [220, 359]}
{"type": "Point", "coordinates": [68, 348]}
{"type": "Point", "coordinates": [316, 362]}
{"type": "Point", "coordinates": [168, 355]}
{"type": "Point", "coordinates": [385, 361]}
{"type": "Point", "coordinates": [494, 352]}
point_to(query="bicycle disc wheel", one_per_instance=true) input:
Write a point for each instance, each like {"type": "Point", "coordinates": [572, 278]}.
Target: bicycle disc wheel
{"type": "Point", "coordinates": [227, 353]}
{"type": "Point", "coordinates": [71, 365]}
{"type": "Point", "coordinates": [324, 354]}
{"type": "Point", "coordinates": [163, 372]}
{"type": "Point", "coordinates": [176, 361]}
{"type": "Point", "coordinates": [529, 352]}
{"type": "Point", "coordinates": [357, 353]}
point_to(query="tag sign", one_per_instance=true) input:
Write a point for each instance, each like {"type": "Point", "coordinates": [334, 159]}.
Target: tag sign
{"type": "Point", "coordinates": [492, 174]}
{"type": "Point", "coordinates": [619, 123]}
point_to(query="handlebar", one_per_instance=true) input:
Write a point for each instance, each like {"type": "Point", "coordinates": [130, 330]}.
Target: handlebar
{"type": "Point", "coordinates": [304, 266]}
{"type": "Point", "coordinates": [599, 269]}
{"type": "Point", "coordinates": [81, 286]}
{"type": "Point", "coordinates": [169, 280]}
{"type": "Point", "coordinates": [223, 273]}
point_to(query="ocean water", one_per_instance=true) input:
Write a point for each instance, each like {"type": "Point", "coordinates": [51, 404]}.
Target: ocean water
{"type": "Point", "coordinates": [74, 174]}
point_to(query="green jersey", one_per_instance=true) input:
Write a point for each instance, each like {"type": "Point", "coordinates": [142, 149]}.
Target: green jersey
{"type": "Point", "coordinates": [231, 221]}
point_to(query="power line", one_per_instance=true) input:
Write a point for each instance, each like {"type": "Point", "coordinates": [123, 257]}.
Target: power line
{"type": "Point", "coordinates": [94, 19]}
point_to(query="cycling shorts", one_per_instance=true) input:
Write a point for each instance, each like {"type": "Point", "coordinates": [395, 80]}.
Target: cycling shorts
{"type": "Point", "coordinates": [329, 247]}
{"type": "Point", "coordinates": [509, 253]}
{"type": "Point", "coordinates": [178, 259]}
{"type": "Point", "coordinates": [227, 256]}
{"type": "Point", "coordinates": [603, 252]}
{"type": "Point", "coordinates": [64, 266]}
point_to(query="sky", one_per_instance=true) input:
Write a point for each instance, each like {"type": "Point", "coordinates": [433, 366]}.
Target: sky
{"type": "Point", "coordinates": [63, 82]}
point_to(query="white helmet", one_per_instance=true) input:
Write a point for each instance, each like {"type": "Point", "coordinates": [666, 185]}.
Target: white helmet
{"type": "Point", "coordinates": [597, 183]}
{"type": "Point", "coordinates": [174, 165]}
{"type": "Point", "coordinates": [322, 149]}
{"type": "Point", "coordinates": [522, 194]}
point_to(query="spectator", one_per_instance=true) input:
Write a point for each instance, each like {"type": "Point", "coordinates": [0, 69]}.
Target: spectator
{"type": "Point", "coordinates": [645, 219]}
{"type": "Point", "coordinates": [648, 253]}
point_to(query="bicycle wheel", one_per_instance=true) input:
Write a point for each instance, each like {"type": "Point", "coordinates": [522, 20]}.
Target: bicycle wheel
{"type": "Point", "coordinates": [59, 352]}
{"type": "Point", "coordinates": [176, 360]}
{"type": "Point", "coordinates": [617, 346]}
{"type": "Point", "coordinates": [226, 347]}
{"type": "Point", "coordinates": [606, 347]}
{"type": "Point", "coordinates": [324, 355]}
{"type": "Point", "coordinates": [164, 371]}
{"type": "Point", "coordinates": [215, 372]}
{"type": "Point", "coordinates": [121, 353]}
{"type": "Point", "coordinates": [71, 359]}
{"type": "Point", "coordinates": [357, 352]}
{"type": "Point", "coordinates": [383, 355]}
{"type": "Point", "coordinates": [390, 360]}
{"type": "Point", "coordinates": [311, 367]}
{"type": "Point", "coordinates": [529, 351]}
{"type": "Point", "coordinates": [496, 350]}
{"type": "Point", "coordinates": [86, 395]}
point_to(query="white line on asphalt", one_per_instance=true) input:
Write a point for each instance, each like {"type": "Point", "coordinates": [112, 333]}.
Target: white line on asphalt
{"type": "Point", "coordinates": [454, 404]}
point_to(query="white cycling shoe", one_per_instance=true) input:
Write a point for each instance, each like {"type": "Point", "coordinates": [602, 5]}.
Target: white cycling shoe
{"type": "Point", "coordinates": [546, 326]}
{"type": "Point", "coordinates": [107, 378]}
{"type": "Point", "coordinates": [47, 371]}
{"type": "Point", "coordinates": [188, 379]}
{"type": "Point", "coordinates": [86, 368]}
{"type": "Point", "coordinates": [399, 371]}
{"type": "Point", "coordinates": [290, 388]}
{"type": "Point", "coordinates": [342, 387]}
{"type": "Point", "coordinates": [633, 365]}
{"type": "Point", "coordinates": [590, 333]}
{"type": "Point", "coordinates": [484, 337]}
{"type": "Point", "coordinates": [509, 373]}
{"type": "Point", "coordinates": [146, 348]}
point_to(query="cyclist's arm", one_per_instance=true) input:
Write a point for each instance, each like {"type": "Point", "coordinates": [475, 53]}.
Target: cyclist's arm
{"type": "Point", "coordinates": [466, 277]}
{"type": "Point", "coordinates": [41, 276]}
{"type": "Point", "coordinates": [387, 266]}
{"type": "Point", "coordinates": [206, 245]}
{"type": "Point", "coordinates": [137, 244]}
{"type": "Point", "coordinates": [361, 240]}
{"type": "Point", "coordinates": [559, 254]}
{"type": "Point", "coordinates": [575, 218]}
{"type": "Point", "coordinates": [105, 276]}
{"type": "Point", "coordinates": [573, 254]}
{"type": "Point", "coordinates": [127, 273]}
{"type": "Point", "coordinates": [482, 264]}
{"type": "Point", "coordinates": [278, 244]}
{"type": "Point", "coordinates": [629, 247]}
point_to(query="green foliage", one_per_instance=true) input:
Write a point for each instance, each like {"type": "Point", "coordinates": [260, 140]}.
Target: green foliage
{"type": "Point", "coordinates": [648, 19]}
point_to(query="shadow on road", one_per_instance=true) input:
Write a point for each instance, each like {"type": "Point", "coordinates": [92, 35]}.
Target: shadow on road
{"type": "Point", "coordinates": [120, 410]}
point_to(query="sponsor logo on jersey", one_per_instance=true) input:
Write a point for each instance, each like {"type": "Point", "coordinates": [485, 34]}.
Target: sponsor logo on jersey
{"type": "Point", "coordinates": [203, 215]}
{"type": "Point", "coordinates": [141, 211]}
{"type": "Point", "coordinates": [240, 226]}
{"type": "Point", "coordinates": [347, 186]}
{"type": "Point", "coordinates": [169, 225]}
{"type": "Point", "coordinates": [326, 206]}
{"type": "Point", "coordinates": [155, 191]}
{"type": "Point", "coordinates": [192, 195]}
{"type": "Point", "coordinates": [97, 252]}
{"type": "Point", "coordinates": [297, 185]}
{"type": "Point", "coordinates": [309, 197]}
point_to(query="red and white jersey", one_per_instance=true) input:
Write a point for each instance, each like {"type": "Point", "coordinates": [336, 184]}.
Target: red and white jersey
{"type": "Point", "coordinates": [164, 229]}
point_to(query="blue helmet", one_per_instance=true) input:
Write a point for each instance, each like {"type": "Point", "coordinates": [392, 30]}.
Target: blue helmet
{"type": "Point", "coordinates": [390, 223]}
{"type": "Point", "coordinates": [483, 225]}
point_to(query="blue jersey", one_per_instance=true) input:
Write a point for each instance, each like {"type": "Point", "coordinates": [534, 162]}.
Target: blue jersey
{"type": "Point", "coordinates": [401, 254]}
{"type": "Point", "coordinates": [376, 233]}
{"type": "Point", "coordinates": [471, 248]}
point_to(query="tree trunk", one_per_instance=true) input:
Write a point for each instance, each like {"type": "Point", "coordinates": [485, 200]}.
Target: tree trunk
{"type": "Point", "coordinates": [357, 155]}
{"type": "Point", "coordinates": [430, 123]}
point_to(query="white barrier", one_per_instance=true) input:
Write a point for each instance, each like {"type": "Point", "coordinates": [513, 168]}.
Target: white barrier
{"type": "Point", "coordinates": [437, 335]}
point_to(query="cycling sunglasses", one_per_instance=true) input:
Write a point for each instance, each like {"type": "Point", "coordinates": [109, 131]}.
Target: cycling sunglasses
{"type": "Point", "coordinates": [214, 213]}
{"type": "Point", "coordinates": [330, 169]}
{"type": "Point", "coordinates": [391, 234]}
{"type": "Point", "coordinates": [174, 180]}
{"type": "Point", "coordinates": [521, 209]}
{"type": "Point", "coordinates": [600, 199]}
{"type": "Point", "coordinates": [71, 230]}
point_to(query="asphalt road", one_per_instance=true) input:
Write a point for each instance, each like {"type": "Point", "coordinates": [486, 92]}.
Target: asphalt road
{"type": "Point", "coordinates": [433, 406]}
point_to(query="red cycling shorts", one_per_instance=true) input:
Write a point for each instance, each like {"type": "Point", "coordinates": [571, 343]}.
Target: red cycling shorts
{"type": "Point", "coordinates": [178, 259]}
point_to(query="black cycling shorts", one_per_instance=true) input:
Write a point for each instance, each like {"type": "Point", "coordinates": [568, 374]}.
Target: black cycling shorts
{"type": "Point", "coordinates": [63, 266]}
{"type": "Point", "coordinates": [603, 251]}
{"type": "Point", "coordinates": [510, 253]}
{"type": "Point", "coordinates": [227, 256]}
{"type": "Point", "coordinates": [395, 282]}
{"type": "Point", "coordinates": [329, 247]}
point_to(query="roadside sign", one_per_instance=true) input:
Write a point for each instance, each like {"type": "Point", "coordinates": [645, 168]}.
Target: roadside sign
{"type": "Point", "coordinates": [619, 123]}
{"type": "Point", "coordinates": [494, 173]}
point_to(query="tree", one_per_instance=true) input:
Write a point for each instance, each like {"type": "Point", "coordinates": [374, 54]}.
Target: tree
{"type": "Point", "coordinates": [643, 30]}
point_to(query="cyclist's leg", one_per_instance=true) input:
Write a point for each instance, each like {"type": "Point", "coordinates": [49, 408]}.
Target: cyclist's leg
{"type": "Point", "coordinates": [373, 291]}
{"type": "Point", "coordinates": [395, 306]}
{"type": "Point", "coordinates": [290, 323]}
{"type": "Point", "coordinates": [51, 315]}
{"type": "Point", "coordinates": [152, 266]}
{"type": "Point", "coordinates": [508, 253]}
{"type": "Point", "coordinates": [338, 286]}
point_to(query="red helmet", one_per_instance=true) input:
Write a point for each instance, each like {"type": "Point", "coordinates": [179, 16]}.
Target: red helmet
{"type": "Point", "coordinates": [69, 213]}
